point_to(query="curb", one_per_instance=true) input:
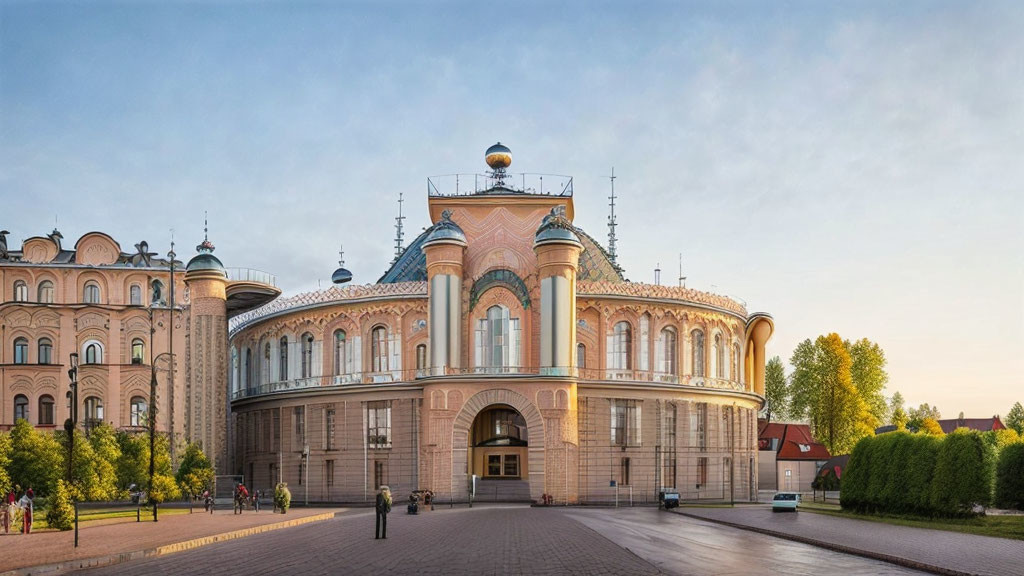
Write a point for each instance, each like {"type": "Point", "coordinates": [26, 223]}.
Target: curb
{"type": "Point", "coordinates": [118, 558]}
{"type": "Point", "coordinates": [897, 560]}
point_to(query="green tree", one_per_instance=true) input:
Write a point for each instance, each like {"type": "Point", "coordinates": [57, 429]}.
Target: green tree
{"type": "Point", "coordinates": [133, 463]}
{"type": "Point", "coordinates": [195, 471]}
{"type": "Point", "coordinates": [931, 427]}
{"type": "Point", "coordinates": [37, 460]}
{"type": "Point", "coordinates": [918, 415]}
{"type": "Point", "coordinates": [964, 473]}
{"type": "Point", "coordinates": [5, 463]}
{"type": "Point", "coordinates": [60, 512]}
{"type": "Point", "coordinates": [164, 488]}
{"type": "Point", "coordinates": [1010, 477]}
{"type": "Point", "coordinates": [822, 390]}
{"type": "Point", "coordinates": [107, 452]}
{"type": "Point", "coordinates": [1015, 418]}
{"type": "Point", "coordinates": [869, 376]}
{"type": "Point", "coordinates": [897, 413]}
{"type": "Point", "coordinates": [776, 391]}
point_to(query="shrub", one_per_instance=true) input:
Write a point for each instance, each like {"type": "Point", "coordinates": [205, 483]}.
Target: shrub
{"type": "Point", "coordinates": [920, 466]}
{"type": "Point", "coordinates": [282, 496]}
{"type": "Point", "coordinates": [858, 471]}
{"type": "Point", "coordinates": [1010, 477]}
{"type": "Point", "coordinates": [60, 513]}
{"type": "Point", "coordinates": [963, 474]}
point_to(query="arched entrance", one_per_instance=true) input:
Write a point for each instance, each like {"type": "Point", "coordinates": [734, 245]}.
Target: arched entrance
{"type": "Point", "coordinates": [499, 436]}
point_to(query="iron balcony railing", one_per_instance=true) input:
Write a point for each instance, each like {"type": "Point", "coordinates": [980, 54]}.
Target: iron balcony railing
{"type": "Point", "coordinates": [251, 275]}
{"type": "Point", "coordinates": [522, 182]}
{"type": "Point", "coordinates": [411, 375]}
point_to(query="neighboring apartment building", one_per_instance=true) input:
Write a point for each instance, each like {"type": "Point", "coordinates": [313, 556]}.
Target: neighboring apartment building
{"type": "Point", "coordinates": [788, 456]}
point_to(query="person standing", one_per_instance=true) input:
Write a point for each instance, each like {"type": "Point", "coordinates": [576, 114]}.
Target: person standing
{"type": "Point", "coordinates": [26, 512]}
{"type": "Point", "coordinates": [383, 506]}
{"type": "Point", "coordinates": [7, 511]}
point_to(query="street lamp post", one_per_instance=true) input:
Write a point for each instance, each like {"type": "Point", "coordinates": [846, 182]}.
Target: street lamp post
{"type": "Point", "coordinates": [72, 420]}
{"type": "Point", "coordinates": [152, 380]}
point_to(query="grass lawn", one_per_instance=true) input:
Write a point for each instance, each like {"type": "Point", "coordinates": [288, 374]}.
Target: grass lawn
{"type": "Point", "coordinates": [999, 526]}
{"type": "Point", "coordinates": [107, 516]}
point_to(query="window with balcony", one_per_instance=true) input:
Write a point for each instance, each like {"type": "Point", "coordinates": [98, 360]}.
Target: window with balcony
{"type": "Point", "coordinates": [625, 425]}
{"type": "Point", "coordinates": [45, 351]}
{"type": "Point", "coordinates": [379, 349]}
{"type": "Point", "coordinates": [20, 407]}
{"type": "Point", "coordinates": [378, 424]}
{"type": "Point", "coordinates": [135, 295]}
{"type": "Point", "coordinates": [138, 350]}
{"type": "Point", "coordinates": [93, 412]}
{"type": "Point", "coordinates": [307, 354]}
{"type": "Point", "coordinates": [91, 293]}
{"type": "Point", "coordinates": [667, 351]}
{"type": "Point", "coordinates": [139, 410]}
{"type": "Point", "coordinates": [697, 348]}
{"type": "Point", "coordinates": [21, 350]}
{"type": "Point", "coordinates": [621, 349]}
{"type": "Point", "coordinates": [46, 410]}
{"type": "Point", "coordinates": [340, 352]}
{"type": "Point", "coordinates": [45, 292]}
{"type": "Point", "coordinates": [282, 367]}
{"type": "Point", "coordinates": [20, 291]}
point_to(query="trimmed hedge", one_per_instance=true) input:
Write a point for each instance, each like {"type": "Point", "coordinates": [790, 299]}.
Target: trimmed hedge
{"type": "Point", "coordinates": [1010, 477]}
{"type": "Point", "coordinates": [903, 473]}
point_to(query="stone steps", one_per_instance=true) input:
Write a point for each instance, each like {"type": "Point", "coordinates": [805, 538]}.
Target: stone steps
{"type": "Point", "coordinates": [503, 491]}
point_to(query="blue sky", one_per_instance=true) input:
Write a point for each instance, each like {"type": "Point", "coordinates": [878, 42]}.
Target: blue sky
{"type": "Point", "coordinates": [849, 168]}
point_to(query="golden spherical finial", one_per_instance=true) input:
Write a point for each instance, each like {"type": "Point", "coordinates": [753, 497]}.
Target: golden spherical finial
{"type": "Point", "coordinates": [498, 157]}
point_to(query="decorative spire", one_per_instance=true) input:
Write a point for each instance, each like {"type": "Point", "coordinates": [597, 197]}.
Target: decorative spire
{"type": "Point", "coordinates": [612, 252]}
{"type": "Point", "coordinates": [399, 232]}
{"type": "Point", "coordinates": [682, 279]}
{"type": "Point", "coordinates": [341, 255]}
{"type": "Point", "coordinates": [206, 247]}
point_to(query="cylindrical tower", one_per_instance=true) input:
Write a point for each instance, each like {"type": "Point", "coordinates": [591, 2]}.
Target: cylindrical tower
{"type": "Point", "coordinates": [759, 329]}
{"type": "Point", "coordinates": [206, 398]}
{"type": "Point", "coordinates": [558, 253]}
{"type": "Point", "coordinates": [444, 248]}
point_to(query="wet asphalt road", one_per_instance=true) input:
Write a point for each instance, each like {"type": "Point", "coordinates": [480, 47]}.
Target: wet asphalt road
{"type": "Point", "coordinates": [511, 540]}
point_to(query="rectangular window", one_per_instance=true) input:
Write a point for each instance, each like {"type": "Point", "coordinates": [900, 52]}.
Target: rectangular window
{"type": "Point", "coordinates": [300, 426]}
{"type": "Point", "coordinates": [378, 424]}
{"type": "Point", "coordinates": [669, 472]}
{"type": "Point", "coordinates": [277, 430]}
{"type": "Point", "coordinates": [511, 467]}
{"type": "Point", "coordinates": [494, 464]}
{"type": "Point", "coordinates": [625, 424]}
{"type": "Point", "coordinates": [702, 471]}
{"type": "Point", "coordinates": [624, 472]}
{"type": "Point", "coordinates": [702, 425]}
{"type": "Point", "coordinates": [380, 474]}
{"type": "Point", "coordinates": [329, 418]}
{"type": "Point", "coordinates": [329, 472]}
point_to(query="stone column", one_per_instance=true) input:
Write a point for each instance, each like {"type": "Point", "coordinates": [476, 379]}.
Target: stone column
{"type": "Point", "coordinates": [558, 253]}
{"type": "Point", "coordinates": [444, 252]}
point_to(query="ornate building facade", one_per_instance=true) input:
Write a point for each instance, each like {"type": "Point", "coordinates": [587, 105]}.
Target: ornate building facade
{"type": "Point", "coordinates": [502, 344]}
{"type": "Point", "coordinates": [119, 314]}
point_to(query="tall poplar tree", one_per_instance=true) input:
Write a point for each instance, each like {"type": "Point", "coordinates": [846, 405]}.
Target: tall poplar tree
{"type": "Point", "coordinates": [776, 391]}
{"type": "Point", "coordinates": [869, 376]}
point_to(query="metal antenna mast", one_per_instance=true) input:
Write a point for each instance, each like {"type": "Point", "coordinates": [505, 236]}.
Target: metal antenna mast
{"type": "Point", "coordinates": [399, 233]}
{"type": "Point", "coordinates": [682, 279]}
{"type": "Point", "coordinates": [341, 255]}
{"type": "Point", "coordinates": [611, 222]}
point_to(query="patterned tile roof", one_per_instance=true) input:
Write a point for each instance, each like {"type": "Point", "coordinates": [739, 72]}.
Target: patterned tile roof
{"type": "Point", "coordinates": [640, 290]}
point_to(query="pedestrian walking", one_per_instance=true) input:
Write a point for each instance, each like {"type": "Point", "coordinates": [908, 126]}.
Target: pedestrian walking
{"type": "Point", "coordinates": [241, 495]}
{"type": "Point", "coordinates": [26, 512]}
{"type": "Point", "coordinates": [7, 511]}
{"type": "Point", "coordinates": [383, 506]}
{"type": "Point", "coordinates": [256, 500]}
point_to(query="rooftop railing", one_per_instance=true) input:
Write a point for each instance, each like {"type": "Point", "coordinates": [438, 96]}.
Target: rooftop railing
{"type": "Point", "coordinates": [251, 275]}
{"type": "Point", "coordinates": [405, 376]}
{"type": "Point", "coordinates": [521, 183]}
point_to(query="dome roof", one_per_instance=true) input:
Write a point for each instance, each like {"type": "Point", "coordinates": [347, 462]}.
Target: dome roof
{"type": "Point", "coordinates": [445, 230]}
{"type": "Point", "coordinates": [498, 157]}
{"type": "Point", "coordinates": [205, 260]}
{"type": "Point", "coordinates": [556, 227]}
{"type": "Point", "coordinates": [341, 275]}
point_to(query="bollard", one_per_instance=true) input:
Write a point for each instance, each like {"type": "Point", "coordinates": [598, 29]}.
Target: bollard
{"type": "Point", "coordinates": [138, 513]}
{"type": "Point", "coordinates": [76, 524]}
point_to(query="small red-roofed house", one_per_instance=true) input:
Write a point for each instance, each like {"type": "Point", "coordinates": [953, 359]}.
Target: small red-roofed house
{"type": "Point", "coordinates": [788, 456]}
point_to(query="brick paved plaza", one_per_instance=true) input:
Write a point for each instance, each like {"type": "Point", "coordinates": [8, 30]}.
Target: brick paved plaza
{"type": "Point", "coordinates": [509, 540]}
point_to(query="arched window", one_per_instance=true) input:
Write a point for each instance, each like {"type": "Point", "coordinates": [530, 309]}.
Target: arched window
{"type": "Point", "coordinates": [265, 368]}
{"type": "Point", "coordinates": [45, 292]}
{"type": "Point", "coordinates": [581, 355]}
{"type": "Point", "coordinates": [248, 368]}
{"type": "Point", "coordinates": [21, 350]}
{"type": "Point", "coordinates": [307, 354]}
{"type": "Point", "coordinates": [379, 349]}
{"type": "Point", "coordinates": [282, 367]}
{"type": "Point", "coordinates": [91, 293]}
{"type": "Point", "coordinates": [339, 352]}
{"type": "Point", "coordinates": [138, 350]}
{"type": "Point", "coordinates": [93, 353]}
{"type": "Point", "coordinates": [622, 347]}
{"type": "Point", "coordinates": [669, 351]}
{"type": "Point", "coordinates": [735, 372]}
{"type": "Point", "coordinates": [45, 350]}
{"type": "Point", "coordinates": [497, 339]}
{"type": "Point", "coordinates": [719, 357]}
{"type": "Point", "coordinates": [697, 337]}
{"type": "Point", "coordinates": [20, 291]}
{"type": "Point", "coordinates": [157, 294]}
{"type": "Point", "coordinates": [46, 410]}
{"type": "Point", "coordinates": [135, 295]}
{"type": "Point", "coordinates": [93, 411]}
{"type": "Point", "coordinates": [421, 356]}
{"type": "Point", "coordinates": [20, 407]}
{"type": "Point", "coordinates": [139, 411]}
